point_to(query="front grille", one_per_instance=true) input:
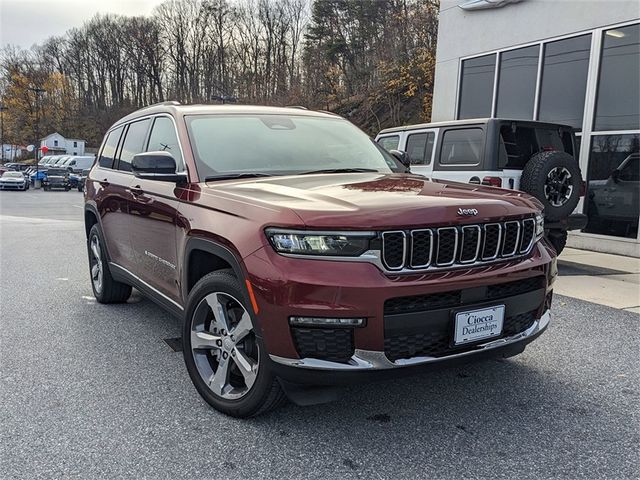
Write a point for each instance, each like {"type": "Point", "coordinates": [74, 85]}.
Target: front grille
{"type": "Point", "coordinates": [332, 344]}
{"type": "Point", "coordinates": [434, 301]}
{"type": "Point", "coordinates": [437, 343]}
{"type": "Point", "coordinates": [450, 246]}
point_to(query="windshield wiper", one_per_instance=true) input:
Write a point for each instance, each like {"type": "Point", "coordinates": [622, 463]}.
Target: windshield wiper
{"type": "Point", "coordinates": [230, 176]}
{"type": "Point", "coordinates": [340, 170]}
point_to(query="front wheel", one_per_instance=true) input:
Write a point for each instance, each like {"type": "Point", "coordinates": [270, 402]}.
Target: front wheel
{"type": "Point", "coordinates": [225, 358]}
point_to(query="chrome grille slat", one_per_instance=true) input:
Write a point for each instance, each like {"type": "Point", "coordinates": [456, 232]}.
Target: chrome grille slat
{"type": "Point", "coordinates": [466, 245]}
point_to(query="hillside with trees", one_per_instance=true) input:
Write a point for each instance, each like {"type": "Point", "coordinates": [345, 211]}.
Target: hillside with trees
{"type": "Point", "coordinates": [370, 61]}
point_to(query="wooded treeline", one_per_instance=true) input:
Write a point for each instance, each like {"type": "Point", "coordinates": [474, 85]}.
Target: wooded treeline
{"type": "Point", "coordinates": [371, 61]}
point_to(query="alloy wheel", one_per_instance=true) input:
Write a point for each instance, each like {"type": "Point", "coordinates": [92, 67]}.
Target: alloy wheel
{"type": "Point", "coordinates": [558, 187]}
{"type": "Point", "coordinates": [224, 346]}
{"type": "Point", "coordinates": [97, 273]}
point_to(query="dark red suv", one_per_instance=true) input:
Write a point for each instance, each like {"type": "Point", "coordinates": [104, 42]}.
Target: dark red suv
{"type": "Point", "coordinates": [299, 259]}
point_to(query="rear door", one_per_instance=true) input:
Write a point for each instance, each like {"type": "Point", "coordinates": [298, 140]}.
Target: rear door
{"type": "Point", "coordinates": [460, 155]}
{"type": "Point", "coordinates": [112, 199]}
{"type": "Point", "coordinates": [153, 216]}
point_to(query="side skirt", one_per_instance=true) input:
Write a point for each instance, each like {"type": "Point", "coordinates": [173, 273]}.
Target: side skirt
{"type": "Point", "coordinates": [123, 275]}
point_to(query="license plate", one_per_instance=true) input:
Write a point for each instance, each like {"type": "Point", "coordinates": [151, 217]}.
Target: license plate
{"type": "Point", "coordinates": [475, 325]}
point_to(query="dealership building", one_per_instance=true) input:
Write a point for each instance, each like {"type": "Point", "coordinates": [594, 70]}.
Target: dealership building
{"type": "Point", "coordinates": [575, 62]}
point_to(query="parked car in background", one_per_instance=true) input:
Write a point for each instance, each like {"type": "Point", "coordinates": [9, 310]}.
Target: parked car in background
{"type": "Point", "coordinates": [614, 203]}
{"type": "Point", "coordinates": [301, 260]}
{"type": "Point", "coordinates": [56, 178]}
{"type": "Point", "coordinates": [535, 157]}
{"type": "Point", "coordinates": [12, 180]}
{"type": "Point", "coordinates": [77, 164]}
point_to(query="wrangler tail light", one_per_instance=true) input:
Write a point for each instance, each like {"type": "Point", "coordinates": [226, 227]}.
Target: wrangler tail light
{"type": "Point", "coordinates": [492, 181]}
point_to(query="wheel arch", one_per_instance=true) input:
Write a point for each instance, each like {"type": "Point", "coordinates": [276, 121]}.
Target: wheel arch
{"type": "Point", "coordinates": [203, 256]}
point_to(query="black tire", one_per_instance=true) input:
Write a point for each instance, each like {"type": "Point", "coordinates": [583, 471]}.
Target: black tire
{"type": "Point", "coordinates": [80, 188]}
{"type": "Point", "coordinates": [66, 189]}
{"type": "Point", "coordinates": [535, 181]}
{"type": "Point", "coordinates": [558, 239]}
{"type": "Point", "coordinates": [109, 291]}
{"type": "Point", "coordinates": [266, 393]}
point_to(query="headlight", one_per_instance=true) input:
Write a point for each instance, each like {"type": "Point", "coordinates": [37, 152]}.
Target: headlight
{"type": "Point", "coordinates": [342, 244]}
{"type": "Point", "coordinates": [539, 226]}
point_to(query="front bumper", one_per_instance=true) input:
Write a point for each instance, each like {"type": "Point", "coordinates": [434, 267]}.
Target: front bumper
{"type": "Point", "coordinates": [12, 186]}
{"type": "Point", "coordinates": [394, 332]}
{"type": "Point", "coordinates": [374, 365]}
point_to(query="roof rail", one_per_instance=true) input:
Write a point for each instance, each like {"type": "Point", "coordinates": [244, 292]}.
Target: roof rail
{"type": "Point", "coordinates": [297, 106]}
{"type": "Point", "coordinates": [168, 102]}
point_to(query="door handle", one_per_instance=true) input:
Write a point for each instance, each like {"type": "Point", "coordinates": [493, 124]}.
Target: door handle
{"type": "Point", "coordinates": [104, 183]}
{"type": "Point", "coordinates": [136, 190]}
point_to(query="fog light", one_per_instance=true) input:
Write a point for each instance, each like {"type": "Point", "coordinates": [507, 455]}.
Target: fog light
{"type": "Point", "coordinates": [326, 322]}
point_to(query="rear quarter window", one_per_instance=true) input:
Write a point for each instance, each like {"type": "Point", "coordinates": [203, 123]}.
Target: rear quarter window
{"type": "Point", "coordinates": [462, 146]}
{"type": "Point", "coordinates": [420, 147]}
{"type": "Point", "coordinates": [109, 150]}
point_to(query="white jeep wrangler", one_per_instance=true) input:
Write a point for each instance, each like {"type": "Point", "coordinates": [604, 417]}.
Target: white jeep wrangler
{"type": "Point", "coordinates": [535, 157]}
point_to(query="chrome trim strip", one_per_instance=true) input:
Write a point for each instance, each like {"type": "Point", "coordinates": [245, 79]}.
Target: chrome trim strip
{"type": "Point", "coordinates": [155, 290]}
{"type": "Point", "coordinates": [404, 249]}
{"type": "Point", "coordinates": [351, 233]}
{"type": "Point", "coordinates": [498, 244]}
{"type": "Point", "coordinates": [376, 360]}
{"type": "Point", "coordinates": [424, 265]}
{"type": "Point", "coordinates": [515, 247]}
{"type": "Point", "coordinates": [478, 243]}
{"type": "Point", "coordinates": [533, 234]}
{"type": "Point", "coordinates": [455, 247]}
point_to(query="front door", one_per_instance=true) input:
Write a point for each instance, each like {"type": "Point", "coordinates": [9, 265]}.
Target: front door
{"type": "Point", "coordinates": [153, 215]}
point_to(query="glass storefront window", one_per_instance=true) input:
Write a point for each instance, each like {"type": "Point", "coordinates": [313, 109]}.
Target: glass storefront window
{"type": "Point", "coordinates": [618, 99]}
{"type": "Point", "coordinates": [613, 192]}
{"type": "Point", "coordinates": [517, 83]}
{"type": "Point", "coordinates": [476, 89]}
{"type": "Point", "coordinates": [564, 80]}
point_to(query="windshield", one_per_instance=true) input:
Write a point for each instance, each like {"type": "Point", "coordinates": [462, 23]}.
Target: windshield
{"type": "Point", "coordinates": [281, 145]}
{"type": "Point", "coordinates": [12, 175]}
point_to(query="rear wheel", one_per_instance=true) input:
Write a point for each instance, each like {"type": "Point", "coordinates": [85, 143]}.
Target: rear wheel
{"type": "Point", "coordinates": [105, 288]}
{"type": "Point", "coordinates": [224, 356]}
{"type": "Point", "coordinates": [553, 178]}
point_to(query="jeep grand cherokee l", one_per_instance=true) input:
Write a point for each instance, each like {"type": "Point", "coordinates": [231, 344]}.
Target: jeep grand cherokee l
{"type": "Point", "coordinates": [298, 261]}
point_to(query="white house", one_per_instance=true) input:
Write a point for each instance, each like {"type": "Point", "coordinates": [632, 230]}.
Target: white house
{"type": "Point", "coordinates": [59, 145]}
{"type": "Point", "coordinates": [571, 62]}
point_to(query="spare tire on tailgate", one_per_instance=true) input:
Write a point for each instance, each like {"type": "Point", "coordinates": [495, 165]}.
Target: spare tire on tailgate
{"type": "Point", "coordinates": [553, 178]}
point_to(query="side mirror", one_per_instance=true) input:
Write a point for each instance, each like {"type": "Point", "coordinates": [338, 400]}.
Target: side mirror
{"type": "Point", "coordinates": [160, 166]}
{"type": "Point", "coordinates": [402, 157]}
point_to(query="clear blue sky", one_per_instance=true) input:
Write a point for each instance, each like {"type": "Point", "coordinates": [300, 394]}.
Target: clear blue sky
{"type": "Point", "coordinates": [25, 22]}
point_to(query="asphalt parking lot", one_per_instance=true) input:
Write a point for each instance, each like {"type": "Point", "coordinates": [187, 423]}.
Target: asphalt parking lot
{"type": "Point", "coordinates": [92, 391]}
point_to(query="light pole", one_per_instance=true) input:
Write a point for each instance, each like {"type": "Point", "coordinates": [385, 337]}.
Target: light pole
{"type": "Point", "coordinates": [2, 109]}
{"type": "Point", "coordinates": [36, 128]}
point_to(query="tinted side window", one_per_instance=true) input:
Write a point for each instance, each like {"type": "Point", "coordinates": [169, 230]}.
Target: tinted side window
{"type": "Point", "coordinates": [564, 80]}
{"type": "Point", "coordinates": [476, 88]}
{"type": "Point", "coordinates": [462, 147]}
{"type": "Point", "coordinates": [133, 143]}
{"type": "Point", "coordinates": [389, 143]}
{"type": "Point", "coordinates": [163, 138]}
{"type": "Point", "coordinates": [109, 149]}
{"type": "Point", "coordinates": [419, 148]}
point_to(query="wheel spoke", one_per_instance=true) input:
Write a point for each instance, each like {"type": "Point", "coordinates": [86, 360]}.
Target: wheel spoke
{"type": "Point", "coordinates": [204, 341]}
{"type": "Point", "coordinates": [243, 328]}
{"type": "Point", "coordinates": [246, 366]}
{"type": "Point", "coordinates": [95, 249]}
{"type": "Point", "coordinates": [94, 271]}
{"type": "Point", "coordinates": [218, 310]}
{"type": "Point", "coordinates": [220, 378]}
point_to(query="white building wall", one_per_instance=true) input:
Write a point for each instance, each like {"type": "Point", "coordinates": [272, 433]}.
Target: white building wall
{"type": "Point", "coordinates": [463, 33]}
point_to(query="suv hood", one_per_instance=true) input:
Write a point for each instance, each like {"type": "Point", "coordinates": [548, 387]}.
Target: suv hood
{"type": "Point", "coordinates": [375, 201]}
